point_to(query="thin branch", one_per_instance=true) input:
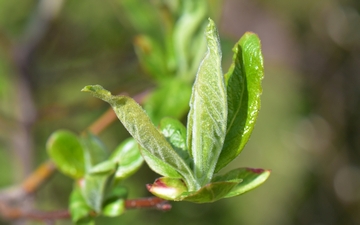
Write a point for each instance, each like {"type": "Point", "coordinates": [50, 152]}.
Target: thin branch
{"type": "Point", "coordinates": [12, 213]}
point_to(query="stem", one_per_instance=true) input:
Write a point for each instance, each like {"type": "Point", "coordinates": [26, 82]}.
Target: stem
{"type": "Point", "coordinates": [12, 213]}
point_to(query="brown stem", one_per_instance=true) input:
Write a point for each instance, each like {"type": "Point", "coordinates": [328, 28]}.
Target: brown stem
{"type": "Point", "coordinates": [12, 213]}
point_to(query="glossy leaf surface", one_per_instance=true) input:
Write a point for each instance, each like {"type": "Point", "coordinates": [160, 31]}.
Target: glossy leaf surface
{"type": "Point", "coordinates": [210, 192]}
{"type": "Point", "coordinates": [114, 204]}
{"type": "Point", "coordinates": [127, 156]}
{"type": "Point", "coordinates": [248, 179]}
{"type": "Point", "coordinates": [144, 132]}
{"type": "Point", "coordinates": [92, 189]}
{"type": "Point", "coordinates": [66, 151]}
{"type": "Point", "coordinates": [175, 133]}
{"type": "Point", "coordinates": [243, 82]}
{"type": "Point", "coordinates": [208, 110]}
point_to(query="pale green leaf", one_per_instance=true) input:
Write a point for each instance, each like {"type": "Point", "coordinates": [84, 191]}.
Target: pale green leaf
{"type": "Point", "coordinates": [243, 96]}
{"type": "Point", "coordinates": [144, 132]}
{"type": "Point", "coordinates": [92, 189]}
{"type": "Point", "coordinates": [208, 110]}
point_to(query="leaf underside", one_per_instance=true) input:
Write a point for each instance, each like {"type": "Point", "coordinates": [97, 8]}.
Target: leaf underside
{"type": "Point", "coordinates": [208, 111]}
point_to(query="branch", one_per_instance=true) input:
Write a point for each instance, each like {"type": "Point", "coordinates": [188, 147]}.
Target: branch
{"type": "Point", "coordinates": [12, 213]}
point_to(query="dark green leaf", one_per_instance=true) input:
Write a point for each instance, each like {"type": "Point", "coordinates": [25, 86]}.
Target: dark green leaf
{"type": "Point", "coordinates": [243, 96]}
{"type": "Point", "coordinates": [175, 133]}
{"type": "Point", "coordinates": [171, 99]}
{"type": "Point", "coordinates": [95, 150]}
{"type": "Point", "coordinates": [66, 151]}
{"type": "Point", "coordinates": [79, 210]}
{"type": "Point", "coordinates": [247, 179]}
{"type": "Point", "coordinates": [144, 132]}
{"type": "Point", "coordinates": [167, 188]}
{"type": "Point", "coordinates": [208, 111]}
{"type": "Point", "coordinates": [127, 156]}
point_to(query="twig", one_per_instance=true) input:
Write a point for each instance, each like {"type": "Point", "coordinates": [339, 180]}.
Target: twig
{"type": "Point", "coordinates": [12, 213]}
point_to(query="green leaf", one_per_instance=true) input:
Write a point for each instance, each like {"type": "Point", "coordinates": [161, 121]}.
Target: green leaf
{"type": "Point", "coordinates": [95, 150]}
{"type": "Point", "coordinates": [104, 168]}
{"type": "Point", "coordinates": [79, 210]}
{"type": "Point", "coordinates": [92, 189]}
{"type": "Point", "coordinates": [127, 156]}
{"type": "Point", "coordinates": [170, 99]}
{"type": "Point", "coordinates": [114, 204]}
{"type": "Point", "coordinates": [243, 96]}
{"type": "Point", "coordinates": [208, 110]}
{"type": "Point", "coordinates": [151, 57]}
{"type": "Point", "coordinates": [167, 188]}
{"type": "Point", "coordinates": [66, 151]}
{"type": "Point", "coordinates": [144, 132]}
{"type": "Point", "coordinates": [210, 192]}
{"type": "Point", "coordinates": [247, 179]}
{"type": "Point", "coordinates": [175, 133]}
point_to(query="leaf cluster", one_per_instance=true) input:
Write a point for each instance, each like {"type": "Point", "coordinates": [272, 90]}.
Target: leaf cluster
{"type": "Point", "coordinates": [223, 111]}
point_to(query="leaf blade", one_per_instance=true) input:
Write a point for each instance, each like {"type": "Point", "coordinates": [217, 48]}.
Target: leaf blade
{"type": "Point", "coordinates": [208, 110]}
{"type": "Point", "coordinates": [243, 82]}
{"type": "Point", "coordinates": [143, 131]}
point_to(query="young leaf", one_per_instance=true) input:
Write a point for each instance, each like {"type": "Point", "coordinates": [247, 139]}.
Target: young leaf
{"type": "Point", "coordinates": [208, 110]}
{"type": "Point", "coordinates": [95, 150]}
{"type": "Point", "coordinates": [80, 211]}
{"type": "Point", "coordinates": [66, 151]}
{"type": "Point", "coordinates": [127, 156]}
{"type": "Point", "coordinates": [175, 133]}
{"type": "Point", "coordinates": [210, 192]}
{"type": "Point", "coordinates": [243, 82]}
{"type": "Point", "coordinates": [170, 99]}
{"type": "Point", "coordinates": [144, 132]}
{"type": "Point", "coordinates": [114, 204]}
{"type": "Point", "coordinates": [92, 189]}
{"type": "Point", "coordinates": [247, 179]}
{"type": "Point", "coordinates": [167, 188]}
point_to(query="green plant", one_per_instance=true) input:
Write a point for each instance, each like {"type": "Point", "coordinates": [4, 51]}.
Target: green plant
{"type": "Point", "coordinates": [223, 110]}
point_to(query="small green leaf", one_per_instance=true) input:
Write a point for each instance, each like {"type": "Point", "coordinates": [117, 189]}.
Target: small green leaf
{"type": "Point", "coordinates": [167, 188]}
{"type": "Point", "coordinates": [144, 132]}
{"type": "Point", "coordinates": [210, 192]}
{"type": "Point", "coordinates": [247, 178]}
{"type": "Point", "coordinates": [66, 151]}
{"type": "Point", "coordinates": [114, 205]}
{"type": "Point", "coordinates": [80, 211]}
{"type": "Point", "coordinates": [92, 189]}
{"type": "Point", "coordinates": [243, 96]}
{"type": "Point", "coordinates": [208, 111]}
{"type": "Point", "coordinates": [170, 99]}
{"type": "Point", "coordinates": [104, 168]}
{"type": "Point", "coordinates": [95, 150]}
{"type": "Point", "coordinates": [175, 133]}
{"type": "Point", "coordinates": [127, 156]}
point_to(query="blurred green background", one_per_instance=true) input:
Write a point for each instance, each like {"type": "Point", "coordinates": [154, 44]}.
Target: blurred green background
{"type": "Point", "coordinates": [308, 131]}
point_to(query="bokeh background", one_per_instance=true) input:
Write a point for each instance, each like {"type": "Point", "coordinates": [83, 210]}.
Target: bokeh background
{"type": "Point", "coordinates": [308, 130]}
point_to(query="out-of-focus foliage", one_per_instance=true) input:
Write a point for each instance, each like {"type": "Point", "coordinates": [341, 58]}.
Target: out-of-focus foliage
{"type": "Point", "coordinates": [307, 131]}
